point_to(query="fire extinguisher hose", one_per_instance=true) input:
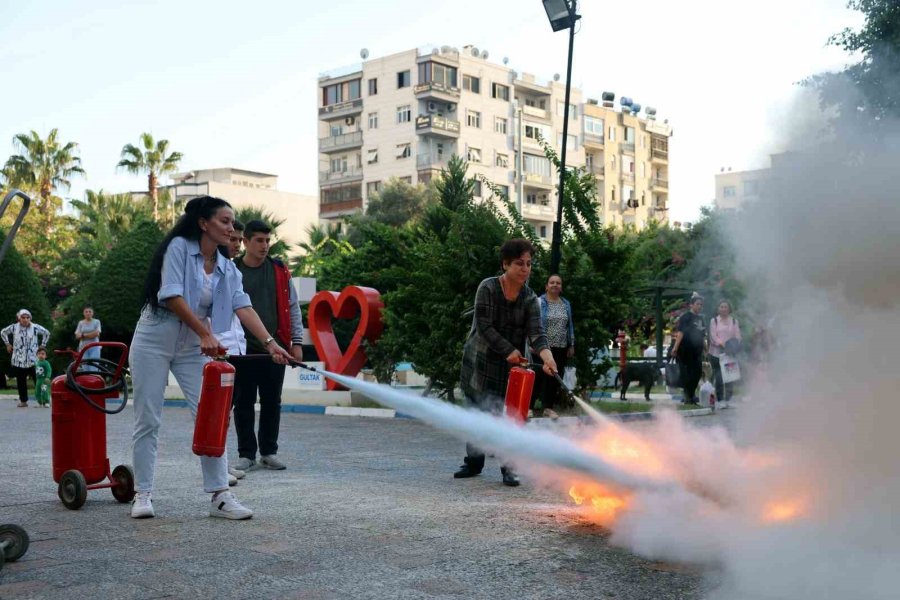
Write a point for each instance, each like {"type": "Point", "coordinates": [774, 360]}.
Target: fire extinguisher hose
{"type": "Point", "coordinates": [107, 370]}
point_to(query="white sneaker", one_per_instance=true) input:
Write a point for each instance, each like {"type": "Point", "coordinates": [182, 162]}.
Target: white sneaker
{"type": "Point", "coordinates": [232, 480]}
{"type": "Point", "coordinates": [225, 505]}
{"type": "Point", "coordinates": [238, 474]}
{"type": "Point", "coordinates": [142, 507]}
{"type": "Point", "coordinates": [271, 462]}
{"type": "Point", "coordinates": [244, 464]}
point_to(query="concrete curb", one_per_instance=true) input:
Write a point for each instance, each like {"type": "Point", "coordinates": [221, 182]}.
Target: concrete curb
{"type": "Point", "coordinates": [389, 413]}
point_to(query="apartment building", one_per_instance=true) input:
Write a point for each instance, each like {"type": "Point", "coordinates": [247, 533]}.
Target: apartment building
{"type": "Point", "coordinates": [405, 114]}
{"type": "Point", "coordinates": [243, 188]}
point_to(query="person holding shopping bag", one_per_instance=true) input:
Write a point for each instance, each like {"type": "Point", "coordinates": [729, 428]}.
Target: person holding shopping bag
{"type": "Point", "coordinates": [723, 328]}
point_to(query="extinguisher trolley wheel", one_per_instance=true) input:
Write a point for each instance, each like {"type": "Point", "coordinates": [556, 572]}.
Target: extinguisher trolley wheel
{"type": "Point", "coordinates": [13, 543]}
{"type": "Point", "coordinates": [123, 480]}
{"type": "Point", "coordinates": [72, 489]}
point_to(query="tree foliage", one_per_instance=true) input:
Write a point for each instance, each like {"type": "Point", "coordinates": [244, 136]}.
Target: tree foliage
{"type": "Point", "coordinates": [399, 202]}
{"type": "Point", "coordinates": [151, 157]}
{"type": "Point", "coordinates": [116, 288]}
{"type": "Point", "coordinates": [21, 289]}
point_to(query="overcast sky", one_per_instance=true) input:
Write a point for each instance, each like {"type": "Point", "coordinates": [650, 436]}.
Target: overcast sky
{"type": "Point", "coordinates": [234, 83]}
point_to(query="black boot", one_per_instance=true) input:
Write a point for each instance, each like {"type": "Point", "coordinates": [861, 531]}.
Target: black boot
{"type": "Point", "coordinates": [509, 477]}
{"type": "Point", "coordinates": [472, 467]}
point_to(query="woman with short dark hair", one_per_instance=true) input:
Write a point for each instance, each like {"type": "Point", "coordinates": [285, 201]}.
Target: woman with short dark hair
{"type": "Point", "coordinates": [507, 317]}
{"type": "Point", "coordinates": [690, 341]}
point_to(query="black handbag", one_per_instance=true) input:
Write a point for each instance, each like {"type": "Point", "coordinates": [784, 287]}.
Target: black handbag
{"type": "Point", "coordinates": [673, 374]}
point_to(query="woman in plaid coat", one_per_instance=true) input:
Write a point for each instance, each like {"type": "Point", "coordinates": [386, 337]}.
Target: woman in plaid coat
{"type": "Point", "coordinates": [507, 316]}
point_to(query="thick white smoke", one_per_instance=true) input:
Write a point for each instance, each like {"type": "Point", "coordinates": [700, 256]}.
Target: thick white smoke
{"type": "Point", "coordinates": [824, 418]}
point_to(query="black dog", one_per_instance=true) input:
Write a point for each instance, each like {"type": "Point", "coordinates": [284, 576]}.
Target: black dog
{"type": "Point", "coordinates": [647, 373]}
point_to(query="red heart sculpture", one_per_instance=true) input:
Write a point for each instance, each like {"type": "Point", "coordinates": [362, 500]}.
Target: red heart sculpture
{"type": "Point", "coordinates": [326, 306]}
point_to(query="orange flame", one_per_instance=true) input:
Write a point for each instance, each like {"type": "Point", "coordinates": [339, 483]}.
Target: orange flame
{"type": "Point", "coordinates": [783, 510]}
{"type": "Point", "coordinates": [604, 504]}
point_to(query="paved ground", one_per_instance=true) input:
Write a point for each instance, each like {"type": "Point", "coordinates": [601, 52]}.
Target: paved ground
{"type": "Point", "coordinates": [367, 509]}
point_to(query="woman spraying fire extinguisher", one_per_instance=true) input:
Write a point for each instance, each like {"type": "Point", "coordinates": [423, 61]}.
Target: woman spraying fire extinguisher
{"type": "Point", "coordinates": [507, 314]}
{"type": "Point", "coordinates": [190, 280]}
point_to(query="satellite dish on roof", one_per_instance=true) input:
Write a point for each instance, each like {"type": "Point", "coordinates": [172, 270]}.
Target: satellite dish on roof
{"type": "Point", "coordinates": [435, 52]}
{"type": "Point", "coordinates": [475, 52]}
{"type": "Point", "coordinates": [445, 49]}
{"type": "Point", "coordinates": [505, 60]}
{"type": "Point", "coordinates": [364, 53]}
{"type": "Point", "coordinates": [556, 77]}
{"type": "Point", "coordinates": [484, 54]}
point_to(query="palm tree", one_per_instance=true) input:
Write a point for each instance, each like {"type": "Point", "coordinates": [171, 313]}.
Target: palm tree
{"type": "Point", "coordinates": [107, 217]}
{"type": "Point", "coordinates": [324, 240]}
{"type": "Point", "coordinates": [153, 160]}
{"type": "Point", "coordinates": [246, 214]}
{"type": "Point", "coordinates": [42, 166]}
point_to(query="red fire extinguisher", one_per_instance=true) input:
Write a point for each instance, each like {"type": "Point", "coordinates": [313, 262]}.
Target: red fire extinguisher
{"type": "Point", "coordinates": [214, 408]}
{"type": "Point", "coordinates": [518, 393]}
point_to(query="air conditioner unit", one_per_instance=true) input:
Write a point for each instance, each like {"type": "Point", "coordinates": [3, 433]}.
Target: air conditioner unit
{"type": "Point", "coordinates": [350, 121]}
{"type": "Point", "coordinates": [432, 107]}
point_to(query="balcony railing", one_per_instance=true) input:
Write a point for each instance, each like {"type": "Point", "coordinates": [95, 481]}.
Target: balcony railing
{"type": "Point", "coordinates": [326, 208]}
{"type": "Point", "coordinates": [437, 124]}
{"type": "Point", "coordinates": [534, 111]}
{"type": "Point", "coordinates": [539, 211]}
{"type": "Point", "coordinates": [660, 182]}
{"type": "Point", "coordinates": [628, 147]}
{"type": "Point", "coordinates": [537, 179]}
{"type": "Point", "coordinates": [340, 142]}
{"type": "Point", "coordinates": [593, 139]}
{"type": "Point", "coordinates": [348, 174]}
{"type": "Point", "coordinates": [627, 177]}
{"type": "Point", "coordinates": [433, 161]}
{"type": "Point", "coordinates": [341, 109]}
{"type": "Point", "coordinates": [597, 170]}
{"type": "Point", "coordinates": [659, 153]}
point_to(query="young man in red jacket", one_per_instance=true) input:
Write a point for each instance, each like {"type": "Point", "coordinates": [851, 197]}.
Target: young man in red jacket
{"type": "Point", "coordinates": [268, 282]}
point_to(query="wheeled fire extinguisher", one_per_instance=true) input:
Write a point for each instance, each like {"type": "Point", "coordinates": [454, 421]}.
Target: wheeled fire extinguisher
{"type": "Point", "coordinates": [78, 418]}
{"type": "Point", "coordinates": [214, 408]}
{"type": "Point", "coordinates": [518, 393]}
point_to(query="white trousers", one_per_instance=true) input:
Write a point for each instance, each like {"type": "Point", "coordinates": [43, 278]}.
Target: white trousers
{"type": "Point", "coordinates": [162, 343]}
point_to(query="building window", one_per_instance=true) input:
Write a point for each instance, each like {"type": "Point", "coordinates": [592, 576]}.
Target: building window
{"type": "Point", "coordinates": [372, 156]}
{"type": "Point", "coordinates": [612, 134]}
{"type": "Point", "coordinates": [544, 231]}
{"type": "Point", "coordinates": [537, 132]}
{"type": "Point", "coordinates": [629, 135]}
{"type": "Point", "coordinates": [538, 165]}
{"type": "Point", "coordinates": [407, 179]}
{"type": "Point", "coordinates": [561, 110]}
{"type": "Point", "coordinates": [472, 84]}
{"type": "Point", "coordinates": [504, 191]}
{"type": "Point", "coordinates": [593, 125]}
{"type": "Point", "coordinates": [403, 79]}
{"type": "Point", "coordinates": [404, 151]}
{"type": "Point", "coordinates": [643, 169]}
{"type": "Point", "coordinates": [373, 86]}
{"type": "Point", "coordinates": [500, 91]}
{"type": "Point", "coordinates": [473, 155]}
{"type": "Point", "coordinates": [535, 103]}
{"type": "Point", "coordinates": [500, 125]}
{"type": "Point", "coordinates": [473, 118]}
{"type": "Point", "coordinates": [502, 161]}
{"type": "Point", "coordinates": [372, 188]}
{"type": "Point", "coordinates": [339, 164]}
{"type": "Point", "coordinates": [404, 113]}
{"type": "Point", "coordinates": [476, 189]}
{"type": "Point", "coordinates": [430, 72]}
{"type": "Point", "coordinates": [342, 193]}
{"type": "Point", "coordinates": [373, 120]}
{"type": "Point", "coordinates": [341, 92]}
{"type": "Point", "coordinates": [729, 191]}
{"type": "Point", "coordinates": [571, 141]}
{"type": "Point", "coordinates": [531, 198]}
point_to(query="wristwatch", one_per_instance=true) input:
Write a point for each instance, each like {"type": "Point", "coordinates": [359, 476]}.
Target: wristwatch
{"type": "Point", "coordinates": [268, 341]}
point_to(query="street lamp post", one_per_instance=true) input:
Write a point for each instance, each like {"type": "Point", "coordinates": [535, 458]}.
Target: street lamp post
{"type": "Point", "coordinates": [561, 14]}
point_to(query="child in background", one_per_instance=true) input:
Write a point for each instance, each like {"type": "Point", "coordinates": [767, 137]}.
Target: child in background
{"type": "Point", "coordinates": [43, 373]}
{"type": "Point", "coordinates": [708, 390]}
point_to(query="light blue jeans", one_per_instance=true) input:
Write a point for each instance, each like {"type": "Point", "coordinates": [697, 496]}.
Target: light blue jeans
{"type": "Point", "coordinates": [162, 343]}
{"type": "Point", "coordinates": [91, 353]}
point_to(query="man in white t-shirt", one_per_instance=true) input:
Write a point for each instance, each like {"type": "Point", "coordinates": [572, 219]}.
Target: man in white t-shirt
{"type": "Point", "coordinates": [650, 352]}
{"type": "Point", "coordinates": [234, 338]}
